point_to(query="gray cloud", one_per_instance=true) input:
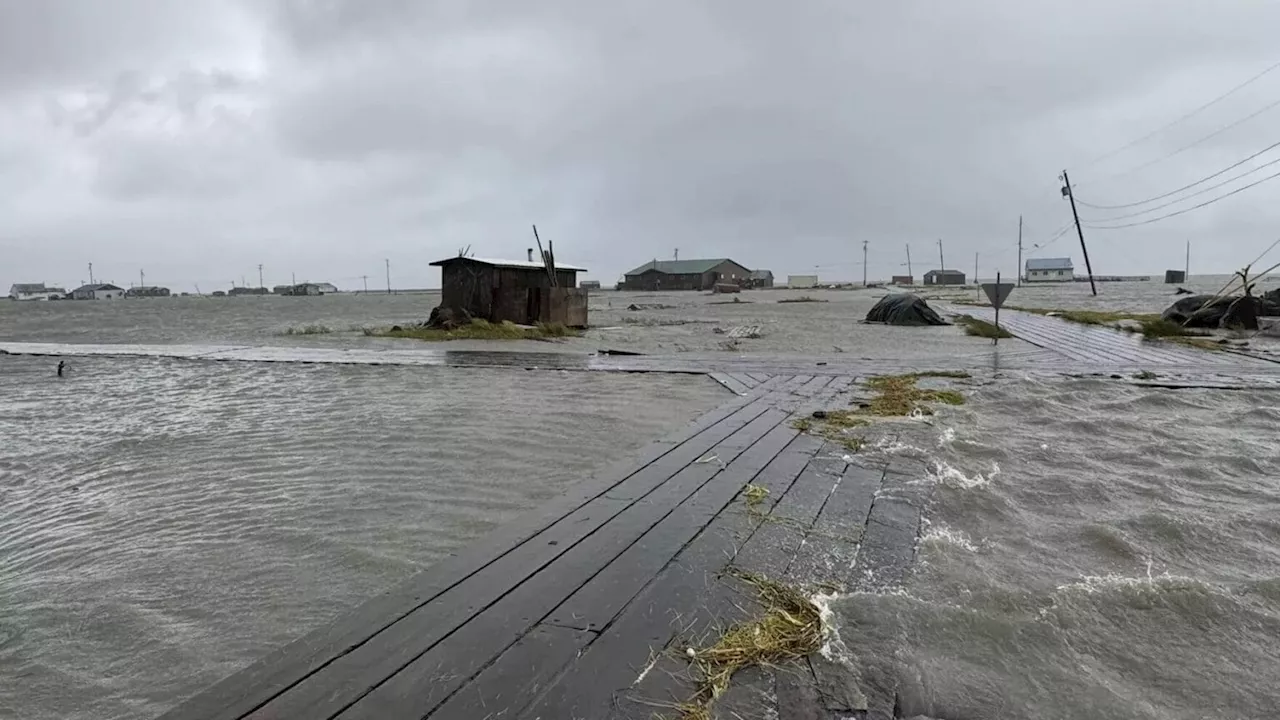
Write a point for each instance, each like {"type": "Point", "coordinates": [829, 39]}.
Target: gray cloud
{"type": "Point", "coordinates": [204, 138]}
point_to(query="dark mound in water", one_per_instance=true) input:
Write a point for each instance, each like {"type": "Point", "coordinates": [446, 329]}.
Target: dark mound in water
{"type": "Point", "coordinates": [904, 309]}
{"type": "Point", "coordinates": [1209, 311]}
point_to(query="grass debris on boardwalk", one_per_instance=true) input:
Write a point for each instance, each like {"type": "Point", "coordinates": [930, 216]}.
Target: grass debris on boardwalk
{"type": "Point", "coordinates": [479, 330]}
{"type": "Point", "coordinates": [899, 396]}
{"type": "Point", "coordinates": [789, 628]}
{"type": "Point", "coordinates": [981, 328]}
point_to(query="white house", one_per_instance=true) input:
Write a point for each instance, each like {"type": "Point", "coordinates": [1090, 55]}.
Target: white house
{"type": "Point", "coordinates": [35, 291]}
{"type": "Point", "coordinates": [98, 291]}
{"type": "Point", "coordinates": [1050, 270]}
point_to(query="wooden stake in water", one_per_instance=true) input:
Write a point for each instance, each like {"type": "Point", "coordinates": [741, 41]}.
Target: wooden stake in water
{"type": "Point", "coordinates": [997, 338]}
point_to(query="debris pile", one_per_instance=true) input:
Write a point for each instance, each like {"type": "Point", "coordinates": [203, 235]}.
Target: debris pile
{"type": "Point", "coordinates": [904, 309]}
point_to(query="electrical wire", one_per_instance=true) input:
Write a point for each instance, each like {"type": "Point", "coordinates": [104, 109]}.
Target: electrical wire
{"type": "Point", "coordinates": [1184, 187]}
{"type": "Point", "coordinates": [1187, 197]}
{"type": "Point", "coordinates": [1188, 116]}
{"type": "Point", "coordinates": [1184, 210]}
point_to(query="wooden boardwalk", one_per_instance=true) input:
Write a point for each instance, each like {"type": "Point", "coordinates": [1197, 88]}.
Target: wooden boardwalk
{"type": "Point", "coordinates": [570, 611]}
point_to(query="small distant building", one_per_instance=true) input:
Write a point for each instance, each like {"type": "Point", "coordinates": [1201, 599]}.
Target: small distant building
{"type": "Point", "coordinates": [1049, 270]}
{"type": "Point", "coordinates": [219, 293]}
{"type": "Point", "coordinates": [282, 290]}
{"type": "Point", "coordinates": [326, 288]}
{"type": "Point", "coordinates": [518, 291]}
{"type": "Point", "coordinates": [307, 288]}
{"type": "Point", "coordinates": [685, 274]}
{"type": "Point", "coordinates": [589, 284]}
{"type": "Point", "coordinates": [98, 291]}
{"type": "Point", "coordinates": [944, 277]}
{"type": "Point", "coordinates": [248, 291]}
{"type": "Point", "coordinates": [147, 291]}
{"type": "Point", "coordinates": [802, 281]}
{"type": "Point", "coordinates": [1175, 277]}
{"type": "Point", "coordinates": [902, 280]}
{"type": "Point", "coordinates": [760, 279]}
{"type": "Point", "coordinates": [35, 291]}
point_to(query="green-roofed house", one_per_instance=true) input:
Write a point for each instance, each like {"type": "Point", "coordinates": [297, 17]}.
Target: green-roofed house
{"type": "Point", "coordinates": [686, 274]}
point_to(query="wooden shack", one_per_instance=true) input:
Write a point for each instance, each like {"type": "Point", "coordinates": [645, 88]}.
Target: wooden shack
{"type": "Point", "coordinates": [518, 291]}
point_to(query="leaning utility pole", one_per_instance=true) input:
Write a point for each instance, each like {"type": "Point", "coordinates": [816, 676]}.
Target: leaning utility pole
{"type": "Point", "coordinates": [975, 268]}
{"type": "Point", "coordinates": [864, 263]}
{"type": "Point", "coordinates": [942, 264]}
{"type": "Point", "coordinates": [1066, 190]}
{"type": "Point", "coordinates": [260, 283]}
{"type": "Point", "coordinates": [91, 273]}
{"type": "Point", "coordinates": [388, 262]}
{"type": "Point", "coordinates": [1019, 251]}
{"type": "Point", "coordinates": [1186, 272]}
{"type": "Point", "coordinates": [142, 279]}
{"type": "Point", "coordinates": [365, 278]}
{"type": "Point", "coordinates": [909, 273]}
{"type": "Point", "coordinates": [677, 254]}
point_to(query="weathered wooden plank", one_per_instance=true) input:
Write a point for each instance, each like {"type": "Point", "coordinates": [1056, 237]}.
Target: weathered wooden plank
{"type": "Point", "coordinates": [814, 385]}
{"type": "Point", "coordinates": [416, 689]}
{"type": "Point", "coordinates": [249, 689]}
{"type": "Point", "coordinates": [730, 383]}
{"type": "Point", "coordinates": [830, 549]}
{"type": "Point", "coordinates": [772, 548]}
{"type": "Point", "coordinates": [746, 380]}
{"type": "Point", "coordinates": [684, 600]}
{"type": "Point", "coordinates": [759, 377]}
{"type": "Point", "coordinates": [355, 673]}
{"type": "Point", "coordinates": [767, 463]}
{"type": "Point", "coordinates": [514, 677]}
{"type": "Point", "coordinates": [796, 693]}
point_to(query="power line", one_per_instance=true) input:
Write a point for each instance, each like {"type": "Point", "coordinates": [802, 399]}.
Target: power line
{"type": "Point", "coordinates": [1185, 210]}
{"type": "Point", "coordinates": [1194, 143]}
{"type": "Point", "coordinates": [1188, 116]}
{"type": "Point", "coordinates": [1211, 188]}
{"type": "Point", "coordinates": [1184, 187]}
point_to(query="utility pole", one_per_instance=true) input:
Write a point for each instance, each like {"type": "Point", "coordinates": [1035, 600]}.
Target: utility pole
{"type": "Point", "coordinates": [864, 263]}
{"type": "Point", "coordinates": [975, 268]}
{"type": "Point", "coordinates": [91, 273]}
{"type": "Point", "coordinates": [388, 262]}
{"type": "Point", "coordinates": [1019, 251]}
{"type": "Point", "coordinates": [942, 264]}
{"type": "Point", "coordinates": [365, 278]}
{"type": "Point", "coordinates": [142, 278]}
{"type": "Point", "coordinates": [260, 283]}
{"type": "Point", "coordinates": [913, 277]}
{"type": "Point", "coordinates": [293, 278]}
{"type": "Point", "coordinates": [1066, 190]}
{"type": "Point", "coordinates": [1186, 272]}
{"type": "Point", "coordinates": [677, 253]}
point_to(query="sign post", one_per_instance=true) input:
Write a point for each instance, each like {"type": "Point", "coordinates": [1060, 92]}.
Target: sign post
{"type": "Point", "coordinates": [997, 293]}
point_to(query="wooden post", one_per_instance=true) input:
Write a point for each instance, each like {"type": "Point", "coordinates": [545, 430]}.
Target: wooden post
{"type": "Point", "coordinates": [1071, 195]}
{"type": "Point", "coordinates": [997, 338]}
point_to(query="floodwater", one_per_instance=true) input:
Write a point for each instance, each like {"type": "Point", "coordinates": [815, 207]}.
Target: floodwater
{"type": "Point", "coordinates": [166, 522]}
{"type": "Point", "coordinates": [1094, 550]}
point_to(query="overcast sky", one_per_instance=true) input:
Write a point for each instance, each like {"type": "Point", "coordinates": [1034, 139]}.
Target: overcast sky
{"type": "Point", "coordinates": [199, 138]}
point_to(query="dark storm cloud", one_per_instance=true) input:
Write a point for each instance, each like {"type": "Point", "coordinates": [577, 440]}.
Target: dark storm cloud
{"type": "Point", "coordinates": [783, 135]}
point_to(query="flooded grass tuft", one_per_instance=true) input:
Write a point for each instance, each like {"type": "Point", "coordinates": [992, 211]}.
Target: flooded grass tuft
{"type": "Point", "coordinates": [479, 330]}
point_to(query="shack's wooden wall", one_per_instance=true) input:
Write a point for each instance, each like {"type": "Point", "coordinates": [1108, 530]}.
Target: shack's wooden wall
{"type": "Point", "coordinates": [500, 294]}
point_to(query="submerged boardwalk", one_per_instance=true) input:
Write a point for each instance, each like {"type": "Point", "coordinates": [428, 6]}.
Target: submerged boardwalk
{"type": "Point", "coordinates": [580, 609]}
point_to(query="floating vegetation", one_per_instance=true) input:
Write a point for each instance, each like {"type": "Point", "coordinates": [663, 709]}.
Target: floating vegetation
{"type": "Point", "coordinates": [802, 299]}
{"type": "Point", "coordinates": [981, 328]}
{"type": "Point", "coordinates": [1145, 375]}
{"type": "Point", "coordinates": [308, 330]}
{"type": "Point", "coordinates": [789, 628]}
{"type": "Point", "coordinates": [834, 426]}
{"type": "Point", "coordinates": [479, 330]}
{"type": "Point", "coordinates": [899, 396]}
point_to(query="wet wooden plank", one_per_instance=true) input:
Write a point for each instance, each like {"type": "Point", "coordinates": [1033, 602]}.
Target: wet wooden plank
{"type": "Point", "coordinates": [814, 385]}
{"type": "Point", "coordinates": [603, 681]}
{"type": "Point", "coordinates": [244, 692]}
{"type": "Point", "coordinates": [746, 380]}
{"type": "Point", "coordinates": [354, 674]}
{"type": "Point", "coordinates": [827, 556]}
{"type": "Point", "coordinates": [772, 548]}
{"type": "Point", "coordinates": [796, 693]}
{"type": "Point", "coordinates": [731, 384]}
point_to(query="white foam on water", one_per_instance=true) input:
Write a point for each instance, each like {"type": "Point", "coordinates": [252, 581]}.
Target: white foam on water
{"type": "Point", "coordinates": [943, 535]}
{"type": "Point", "coordinates": [947, 437]}
{"type": "Point", "coordinates": [833, 647]}
{"type": "Point", "coordinates": [950, 476]}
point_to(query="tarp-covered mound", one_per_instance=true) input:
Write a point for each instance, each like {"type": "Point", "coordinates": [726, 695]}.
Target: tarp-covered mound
{"type": "Point", "coordinates": [904, 309]}
{"type": "Point", "coordinates": [1208, 311]}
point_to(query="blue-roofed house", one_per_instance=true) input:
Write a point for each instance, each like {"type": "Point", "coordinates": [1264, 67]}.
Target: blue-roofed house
{"type": "Point", "coordinates": [1050, 270]}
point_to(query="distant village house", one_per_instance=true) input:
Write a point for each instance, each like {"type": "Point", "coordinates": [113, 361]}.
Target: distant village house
{"type": "Point", "coordinates": [98, 291]}
{"type": "Point", "coordinates": [518, 291]}
{"type": "Point", "coordinates": [685, 274]}
{"type": "Point", "coordinates": [242, 290]}
{"type": "Point", "coordinates": [902, 280]}
{"type": "Point", "coordinates": [760, 279]}
{"type": "Point", "coordinates": [1050, 270]}
{"type": "Point", "coordinates": [944, 277]}
{"type": "Point", "coordinates": [147, 291]}
{"type": "Point", "coordinates": [35, 291]}
{"type": "Point", "coordinates": [300, 289]}
{"type": "Point", "coordinates": [802, 281]}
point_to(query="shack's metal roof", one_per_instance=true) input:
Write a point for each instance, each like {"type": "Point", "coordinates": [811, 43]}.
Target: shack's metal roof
{"type": "Point", "coordinates": [97, 286]}
{"type": "Point", "coordinates": [945, 272]}
{"type": "Point", "coordinates": [1050, 264]}
{"type": "Point", "coordinates": [681, 267]}
{"type": "Point", "coordinates": [519, 264]}
{"type": "Point", "coordinates": [28, 288]}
